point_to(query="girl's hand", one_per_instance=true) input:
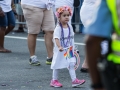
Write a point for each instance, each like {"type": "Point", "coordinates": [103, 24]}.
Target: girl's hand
{"type": "Point", "coordinates": [60, 49]}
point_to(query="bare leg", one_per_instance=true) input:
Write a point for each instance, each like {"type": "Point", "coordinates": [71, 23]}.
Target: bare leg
{"type": "Point", "coordinates": [84, 65]}
{"type": "Point", "coordinates": [2, 34]}
{"type": "Point", "coordinates": [9, 29]}
{"type": "Point", "coordinates": [32, 43]}
{"type": "Point", "coordinates": [48, 42]}
{"type": "Point", "coordinates": [84, 68]}
{"type": "Point", "coordinates": [92, 54]}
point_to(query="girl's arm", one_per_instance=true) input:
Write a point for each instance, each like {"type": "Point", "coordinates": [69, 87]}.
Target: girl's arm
{"type": "Point", "coordinates": [58, 44]}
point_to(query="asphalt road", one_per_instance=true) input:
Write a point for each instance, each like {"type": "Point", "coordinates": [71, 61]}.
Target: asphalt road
{"type": "Point", "coordinates": [17, 74]}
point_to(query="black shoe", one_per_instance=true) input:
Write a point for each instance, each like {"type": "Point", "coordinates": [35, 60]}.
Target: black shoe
{"type": "Point", "coordinates": [84, 70]}
{"type": "Point", "coordinates": [49, 61]}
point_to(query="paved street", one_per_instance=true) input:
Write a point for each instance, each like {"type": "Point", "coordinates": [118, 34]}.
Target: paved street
{"type": "Point", "coordinates": [17, 74]}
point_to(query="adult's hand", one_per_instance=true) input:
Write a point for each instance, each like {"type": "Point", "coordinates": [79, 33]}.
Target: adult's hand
{"type": "Point", "coordinates": [2, 14]}
{"type": "Point", "coordinates": [15, 13]}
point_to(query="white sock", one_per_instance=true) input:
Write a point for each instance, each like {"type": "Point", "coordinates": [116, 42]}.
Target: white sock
{"type": "Point", "coordinates": [72, 71]}
{"type": "Point", "coordinates": [55, 74]}
{"type": "Point", "coordinates": [49, 58]}
{"type": "Point", "coordinates": [32, 56]}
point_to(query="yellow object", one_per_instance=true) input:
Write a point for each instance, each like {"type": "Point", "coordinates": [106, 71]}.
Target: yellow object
{"type": "Point", "coordinates": [112, 5]}
{"type": "Point", "coordinates": [114, 56]}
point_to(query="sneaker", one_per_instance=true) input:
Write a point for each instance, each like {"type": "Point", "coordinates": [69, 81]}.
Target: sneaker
{"type": "Point", "coordinates": [34, 61]}
{"type": "Point", "coordinates": [84, 70]}
{"type": "Point", "coordinates": [77, 82]}
{"type": "Point", "coordinates": [49, 61]}
{"type": "Point", "coordinates": [55, 83]}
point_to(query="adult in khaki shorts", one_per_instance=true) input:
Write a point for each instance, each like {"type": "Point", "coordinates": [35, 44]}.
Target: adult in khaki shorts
{"type": "Point", "coordinates": [38, 17]}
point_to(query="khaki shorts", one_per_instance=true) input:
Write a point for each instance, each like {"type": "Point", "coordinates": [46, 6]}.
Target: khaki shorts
{"type": "Point", "coordinates": [38, 18]}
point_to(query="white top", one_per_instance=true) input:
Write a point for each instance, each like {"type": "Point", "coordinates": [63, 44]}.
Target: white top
{"type": "Point", "coordinates": [88, 10]}
{"type": "Point", "coordinates": [59, 3]}
{"type": "Point", "coordinates": [90, 1]}
{"type": "Point", "coordinates": [36, 3]}
{"type": "Point", "coordinates": [6, 5]}
{"type": "Point", "coordinates": [59, 61]}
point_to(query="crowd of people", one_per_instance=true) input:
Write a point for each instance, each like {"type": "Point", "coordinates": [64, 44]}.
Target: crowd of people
{"type": "Point", "coordinates": [59, 36]}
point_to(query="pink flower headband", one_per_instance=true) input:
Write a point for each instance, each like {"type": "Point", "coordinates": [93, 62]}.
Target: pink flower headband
{"type": "Point", "coordinates": [62, 9]}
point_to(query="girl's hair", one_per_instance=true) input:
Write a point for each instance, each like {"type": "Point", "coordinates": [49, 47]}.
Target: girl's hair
{"type": "Point", "coordinates": [62, 9]}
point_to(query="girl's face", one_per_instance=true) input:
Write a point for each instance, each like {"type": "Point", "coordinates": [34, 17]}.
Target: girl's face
{"type": "Point", "coordinates": [64, 17]}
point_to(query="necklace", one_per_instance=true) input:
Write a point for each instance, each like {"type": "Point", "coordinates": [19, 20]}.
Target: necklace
{"type": "Point", "coordinates": [63, 38]}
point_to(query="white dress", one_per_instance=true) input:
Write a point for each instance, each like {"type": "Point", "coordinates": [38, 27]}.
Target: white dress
{"type": "Point", "coordinates": [59, 61]}
{"type": "Point", "coordinates": [88, 10]}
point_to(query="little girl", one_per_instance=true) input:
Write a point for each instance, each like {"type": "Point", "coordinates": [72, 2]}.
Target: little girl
{"type": "Point", "coordinates": [63, 39]}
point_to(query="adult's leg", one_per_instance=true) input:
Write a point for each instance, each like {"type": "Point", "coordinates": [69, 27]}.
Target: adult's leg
{"type": "Point", "coordinates": [32, 15]}
{"type": "Point", "coordinates": [4, 21]}
{"type": "Point", "coordinates": [92, 54]}
{"type": "Point", "coordinates": [48, 42]}
{"type": "Point", "coordinates": [32, 43]}
{"type": "Point", "coordinates": [48, 26]}
{"type": "Point", "coordinates": [2, 34]}
{"type": "Point", "coordinates": [32, 46]}
{"type": "Point", "coordinates": [84, 66]}
{"type": "Point", "coordinates": [11, 22]}
{"type": "Point", "coordinates": [33, 23]}
{"type": "Point", "coordinates": [9, 29]}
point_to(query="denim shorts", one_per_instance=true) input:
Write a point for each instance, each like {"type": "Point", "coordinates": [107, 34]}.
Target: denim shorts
{"type": "Point", "coordinates": [8, 19]}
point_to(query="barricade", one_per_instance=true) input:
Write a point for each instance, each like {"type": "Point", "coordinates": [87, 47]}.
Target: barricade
{"type": "Point", "coordinates": [20, 17]}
